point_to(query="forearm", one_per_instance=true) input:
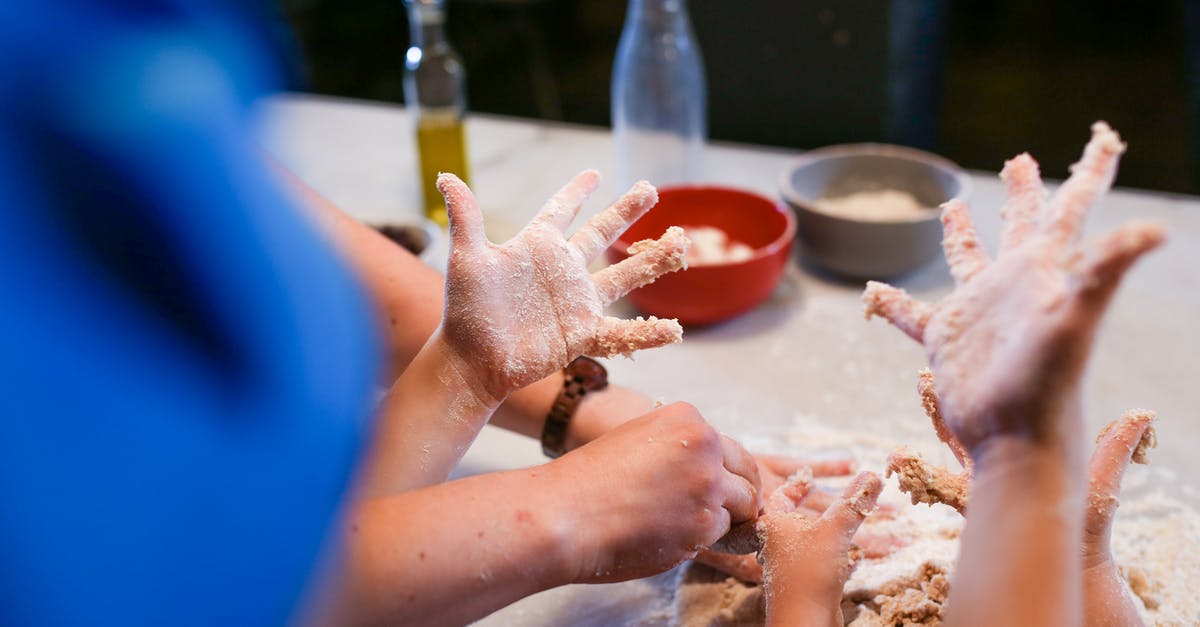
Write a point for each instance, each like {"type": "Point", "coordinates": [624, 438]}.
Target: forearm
{"type": "Point", "coordinates": [452, 553]}
{"type": "Point", "coordinates": [1107, 599]}
{"type": "Point", "coordinates": [1019, 563]}
{"type": "Point", "coordinates": [425, 423]}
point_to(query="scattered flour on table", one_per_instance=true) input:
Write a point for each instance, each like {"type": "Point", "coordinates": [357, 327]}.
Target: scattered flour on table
{"type": "Point", "coordinates": [1156, 542]}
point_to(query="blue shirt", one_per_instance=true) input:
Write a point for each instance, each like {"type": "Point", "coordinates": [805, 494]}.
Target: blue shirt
{"type": "Point", "coordinates": [185, 368]}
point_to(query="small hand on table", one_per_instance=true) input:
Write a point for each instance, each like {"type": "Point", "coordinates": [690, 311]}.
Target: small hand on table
{"type": "Point", "coordinates": [788, 484]}
{"type": "Point", "coordinates": [806, 558]}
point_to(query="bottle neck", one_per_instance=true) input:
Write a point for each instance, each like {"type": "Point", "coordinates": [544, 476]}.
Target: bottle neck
{"type": "Point", "coordinates": [426, 23]}
{"type": "Point", "coordinates": [658, 16]}
{"type": "Point", "coordinates": [657, 9]}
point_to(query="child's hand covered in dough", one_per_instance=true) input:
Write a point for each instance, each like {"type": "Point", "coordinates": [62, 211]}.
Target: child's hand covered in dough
{"type": "Point", "coordinates": [518, 311]}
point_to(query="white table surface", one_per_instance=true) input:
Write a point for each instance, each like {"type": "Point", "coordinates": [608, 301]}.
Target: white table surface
{"type": "Point", "coordinates": [806, 353]}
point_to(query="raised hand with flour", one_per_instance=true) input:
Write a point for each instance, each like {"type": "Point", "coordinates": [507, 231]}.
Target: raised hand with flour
{"type": "Point", "coordinates": [515, 313]}
{"type": "Point", "coordinates": [1009, 344]}
{"type": "Point", "coordinates": [1008, 347]}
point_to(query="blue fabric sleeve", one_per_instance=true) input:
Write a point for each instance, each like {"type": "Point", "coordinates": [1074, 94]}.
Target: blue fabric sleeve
{"type": "Point", "coordinates": [185, 367]}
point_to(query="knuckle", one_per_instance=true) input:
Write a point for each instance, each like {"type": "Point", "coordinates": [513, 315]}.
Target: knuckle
{"type": "Point", "coordinates": [708, 524]}
{"type": "Point", "coordinates": [707, 486]}
{"type": "Point", "coordinates": [704, 518]}
{"type": "Point", "coordinates": [683, 410]}
{"type": "Point", "coordinates": [687, 421]}
{"type": "Point", "coordinates": [707, 437]}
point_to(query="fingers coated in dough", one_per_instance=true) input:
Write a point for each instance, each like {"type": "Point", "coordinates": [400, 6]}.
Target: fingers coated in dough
{"type": "Point", "coordinates": [960, 241]}
{"type": "Point", "coordinates": [1106, 259]}
{"type": "Point", "coordinates": [649, 260]}
{"type": "Point", "coordinates": [603, 229]}
{"type": "Point", "coordinates": [929, 402]}
{"type": "Point", "coordinates": [462, 210]}
{"type": "Point", "coordinates": [858, 500]}
{"type": "Point", "coordinates": [1026, 196]}
{"type": "Point", "coordinates": [1090, 178]}
{"type": "Point", "coordinates": [788, 466]}
{"type": "Point", "coordinates": [1115, 448]}
{"type": "Point", "coordinates": [788, 497]}
{"type": "Point", "coordinates": [896, 306]}
{"type": "Point", "coordinates": [615, 336]}
{"type": "Point", "coordinates": [564, 205]}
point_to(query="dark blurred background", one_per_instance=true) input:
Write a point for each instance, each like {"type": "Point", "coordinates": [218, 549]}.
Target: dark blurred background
{"type": "Point", "coordinates": [976, 81]}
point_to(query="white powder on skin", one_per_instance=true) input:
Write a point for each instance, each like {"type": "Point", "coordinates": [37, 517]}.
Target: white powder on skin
{"type": "Point", "coordinates": [1156, 541]}
{"type": "Point", "coordinates": [880, 205]}
{"type": "Point", "coordinates": [712, 246]}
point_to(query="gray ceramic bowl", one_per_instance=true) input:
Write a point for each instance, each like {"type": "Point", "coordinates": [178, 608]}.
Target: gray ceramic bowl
{"type": "Point", "coordinates": [870, 248]}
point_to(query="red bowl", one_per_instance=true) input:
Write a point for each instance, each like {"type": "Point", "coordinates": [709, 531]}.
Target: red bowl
{"type": "Point", "coordinates": [704, 294]}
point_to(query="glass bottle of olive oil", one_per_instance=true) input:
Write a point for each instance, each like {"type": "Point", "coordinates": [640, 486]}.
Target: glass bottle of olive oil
{"type": "Point", "coordinates": [435, 95]}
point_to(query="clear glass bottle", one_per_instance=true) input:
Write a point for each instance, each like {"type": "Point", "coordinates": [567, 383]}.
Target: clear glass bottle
{"type": "Point", "coordinates": [659, 102]}
{"type": "Point", "coordinates": [436, 99]}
